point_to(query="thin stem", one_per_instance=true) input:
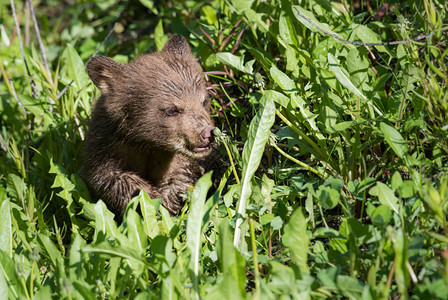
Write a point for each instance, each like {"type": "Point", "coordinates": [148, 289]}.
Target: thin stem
{"type": "Point", "coordinates": [39, 40]}
{"type": "Point", "coordinates": [231, 163]}
{"type": "Point", "coordinates": [301, 134]}
{"type": "Point", "coordinates": [309, 168]}
{"type": "Point", "coordinates": [105, 39]}
{"type": "Point", "coordinates": [254, 254]}
{"type": "Point", "coordinates": [34, 91]}
{"type": "Point", "coordinates": [27, 295]}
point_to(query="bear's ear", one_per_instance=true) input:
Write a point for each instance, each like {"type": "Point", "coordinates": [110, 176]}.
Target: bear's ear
{"type": "Point", "coordinates": [177, 44]}
{"type": "Point", "coordinates": [105, 73]}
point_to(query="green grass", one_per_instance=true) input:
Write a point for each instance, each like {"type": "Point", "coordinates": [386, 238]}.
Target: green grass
{"type": "Point", "coordinates": [336, 154]}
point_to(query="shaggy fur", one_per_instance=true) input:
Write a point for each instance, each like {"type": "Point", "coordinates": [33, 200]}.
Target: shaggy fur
{"type": "Point", "coordinates": [151, 128]}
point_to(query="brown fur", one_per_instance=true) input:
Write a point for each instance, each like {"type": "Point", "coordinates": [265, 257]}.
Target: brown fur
{"type": "Point", "coordinates": [151, 128]}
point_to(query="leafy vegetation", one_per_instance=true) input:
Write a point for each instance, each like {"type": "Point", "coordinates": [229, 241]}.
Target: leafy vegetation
{"type": "Point", "coordinates": [336, 186]}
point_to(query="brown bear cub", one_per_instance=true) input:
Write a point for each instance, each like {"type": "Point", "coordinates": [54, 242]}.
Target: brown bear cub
{"type": "Point", "coordinates": [151, 128]}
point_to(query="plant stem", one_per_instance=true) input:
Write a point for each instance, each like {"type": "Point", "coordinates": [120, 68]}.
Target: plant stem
{"type": "Point", "coordinates": [254, 253]}
{"type": "Point", "coordinates": [34, 91]}
{"type": "Point", "coordinates": [298, 162]}
{"type": "Point", "coordinates": [302, 135]}
{"type": "Point", "coordinates": [232, 163]}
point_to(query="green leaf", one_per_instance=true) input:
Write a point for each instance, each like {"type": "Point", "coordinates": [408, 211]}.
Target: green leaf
{"type": "Point", "coordinates": [278, 97]}
{"type": "Point", "coordinates": [236, 62]}
{"type": "Point", "coordinates": [343, 79]}
{"type": "Point", "coordinates": [387, 197]}
{"type": "Point", "coordinates": [136, 233]}
{"type": "Point", "coordinates": [106, 249]}
{"type": "Point", "coordinates": [261, 56]}
{"type": "Point", "coordinates": [5, 41]}
{"type": "Point", "coordinates": [358, 67]}
{"type": "Point", "coordinates": [277, 223]}
{"type": "Point", "coordinates": [48, 249]}
{"type": "Point", "coordinates": [44, 293]}
{"type": "Point", "coordinates": [259, 132]}
{"type": "Point", "coordinates": [286, 30]}
{"type": "Point", "coordinates": [282, 279]}
{"type": "Point", "coordinates": [159, 37]}
{"type": "Point", "coordinates": [149, 208]}
{"type": "Point", "coordinates": [149, 4]}
{"type": "Point", "coordinates": [396, 181]}
{"type": "Point", "coordinates": [172, 285]}
{"type": "Point", "coordinates": [232, 264]}
{"type": "Point", "coordinates": [328, 197]}
{"type": "Point", "coordinates": [162, 247]}
{"type": "Point", "coordinates": [8, 270]}
{"type": "Point", "coordinates": [266, 219]}
{"type": "Point", "coordinates": [15, 187]}
{"type": "Point", "coordinates": [5, 223]}
{"type": "Point", "coordinates": [305, 114]}
{"type": "Point", "coordinates": [367, 35]}
{"type": "Point", "coordinates": [339, 127]}
{"type": "Point", "coordinates": [38, 108]}
{"type": "Point", "coordinates": [323, 232]}
{"type": "Point", "coordinates": [309, 25]}
{"type": "Point", "coordinates": [394, 139]}
{"type": "Point", "coordinates": [399, 240]}
{"type": "Point", "coordinates": [210, 14]}
{"type": "Point", "coordinates": [381, 215]}
{"type": "Point", "coordinates": [282, 79]}
{"type": "Point", "coordinates": [408, 189]}
{"type": "Point", "coordinates": [328, 277]}
{"type": "Point", "coordinates": [267, 185]}
{"type": "Point", "coordinates": [104, 221]}
{"type": "Point", "coordinates": [4, 290]}
{"type": "Point", "coordinates": [75, 259]}
{"type": "Point", "coordinates": [350, 287]}
{"type": "Point", "coordinates": [74, 67]}
{"type": "Point", "coordinates": [244, 7]}
{"type": "Point", "coordinates": [296, 239]}
{"type": "Point", "coordinates": [194, 224]}
{"type": "Point", "coordinates": [167, 222]}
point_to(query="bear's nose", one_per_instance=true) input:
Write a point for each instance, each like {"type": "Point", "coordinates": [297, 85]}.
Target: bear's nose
{"type": "Point", "coordinates": [206, 133]}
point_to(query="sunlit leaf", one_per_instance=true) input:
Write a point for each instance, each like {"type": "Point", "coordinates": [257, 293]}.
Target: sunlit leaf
{"type": "Point", "coordinates": [5, 223]}
{"type": "Point", "coordinates": [236, 62]}
{"type": "Point", "coordinates": [259, 131]}
{"type": "Point", "coordinates": [159, 37]}
{"type": "Point", "coordinates": [296, 239]}
{"type": "Point", "coordinates": [394, 139]}
{"type": "Point", "coordinates": [194, 224]}
{"type": "Point", "coordinates": [345, 81]}
{"type": "Point", "coordinates": [387, 197]}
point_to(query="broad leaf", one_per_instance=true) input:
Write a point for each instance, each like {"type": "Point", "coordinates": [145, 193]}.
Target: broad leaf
{"type": "Point", "coordinates": [345, 81]}
{"type": "Point", "coordinates": [194, 224]}
{"type": "Point", "coordinates": [296, 239]}
{"type": "Point", "coordinates": [236, 62]}
{"type": "Point", "coordinates": [394, 139]}
{"type": "Point", "coordinates": [259, 131]}
{"type": "Point", "coordinates": [387, 197]}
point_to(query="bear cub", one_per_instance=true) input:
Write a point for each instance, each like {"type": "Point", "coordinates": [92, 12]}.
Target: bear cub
{"type": "Point", "coordinates": [150, 129]}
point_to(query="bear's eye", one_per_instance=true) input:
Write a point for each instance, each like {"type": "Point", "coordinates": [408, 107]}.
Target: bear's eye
{"type": "Point", "coordinates": [172, 111]}
{"type": "Point", "coordinates": [206, 102]}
